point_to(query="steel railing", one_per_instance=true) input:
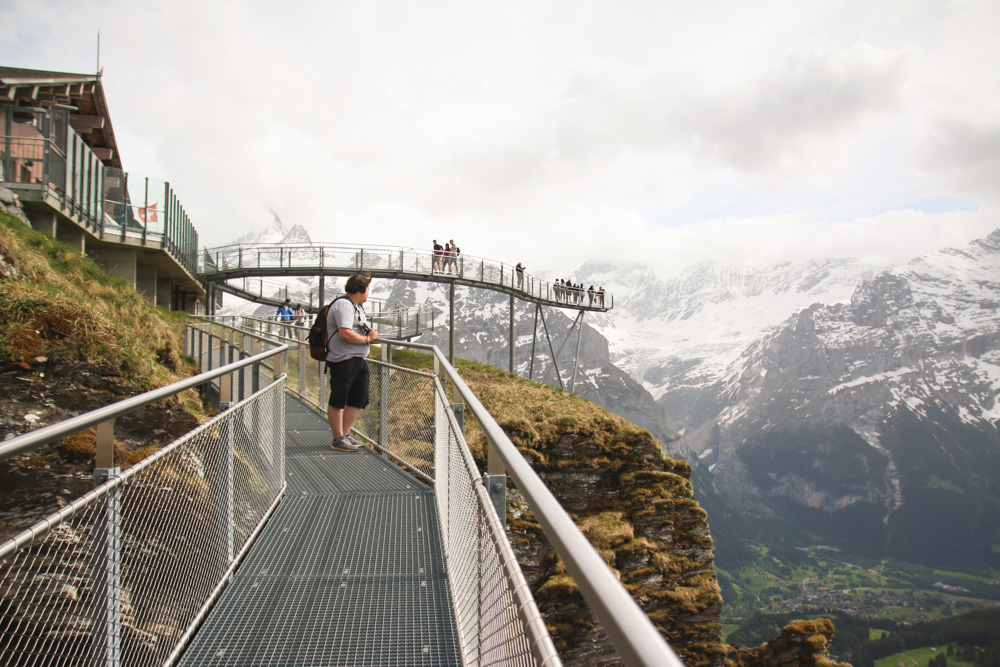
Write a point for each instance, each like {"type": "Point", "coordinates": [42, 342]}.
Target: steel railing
{"type": "Point", "coordinates": [399, 423]}
{"type": "Point", "coordinates": [246, 259]}
{"type": "Point", "coordinates": [123, 574]}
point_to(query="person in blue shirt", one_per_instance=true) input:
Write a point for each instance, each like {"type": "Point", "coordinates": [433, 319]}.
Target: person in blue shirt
{"type": "Point", "coordinates": [284, 315]}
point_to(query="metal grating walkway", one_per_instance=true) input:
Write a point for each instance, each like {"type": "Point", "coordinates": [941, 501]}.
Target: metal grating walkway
{"type": "Point", "coordinates": [349, 570]}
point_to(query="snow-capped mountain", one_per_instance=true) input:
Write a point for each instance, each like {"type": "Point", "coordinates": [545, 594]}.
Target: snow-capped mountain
{"type": "Point", "coordinates": [871, 424]}
{"type": "Point", "coordinates": [299, 289]}
{"type": "Point", "coordinates": [678, 336]}
{"type": "Point", "coordinates": [276, 232]}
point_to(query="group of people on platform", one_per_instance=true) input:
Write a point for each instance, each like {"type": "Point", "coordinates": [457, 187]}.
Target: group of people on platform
{"type": "Point", "coordinates": [445, 258]}
{"type": "Point", "coordinates": [566, 291]}
{"type": "Point", "coordinates": [569, 292]}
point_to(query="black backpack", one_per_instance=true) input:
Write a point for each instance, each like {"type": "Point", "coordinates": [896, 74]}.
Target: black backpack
{"type": "Point", "coordinates": [319, 337]}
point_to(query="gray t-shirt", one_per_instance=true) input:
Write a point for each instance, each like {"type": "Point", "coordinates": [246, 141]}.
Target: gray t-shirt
{"type": "Point", "coordinates": [347, 314]}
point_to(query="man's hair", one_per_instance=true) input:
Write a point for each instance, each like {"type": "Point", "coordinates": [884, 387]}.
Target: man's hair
{"type": "Point", "coordinates": [357, 283]}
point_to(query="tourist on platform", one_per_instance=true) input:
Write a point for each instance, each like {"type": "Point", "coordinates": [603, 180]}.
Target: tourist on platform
{"type": "Point", "coordinates": [345, 360]}
{"type": "Point", "coordinates": [520, 275]}
{"type": "Point", "coordinates": [590, 295]}
{"type": "Point", "coordinates": [600, 297]}
{"type": "Point", "coordinates": [453, 257]}
{"type": "Point", "coordinates": [284, 315]}
{"type": "Point", "coordinates": [438, 254]}
{"type": "Point", "coordinates": [300, 318]}
{"type": "Point", "coordinates": [446, 257]}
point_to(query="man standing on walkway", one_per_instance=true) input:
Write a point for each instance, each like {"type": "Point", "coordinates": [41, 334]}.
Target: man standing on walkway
{"type": "Point", "coordinates": [345, 359]}
{"type": "Point", "coordinates": [436, 260]}
{"type": "Point", "coordinates": [284, 315]}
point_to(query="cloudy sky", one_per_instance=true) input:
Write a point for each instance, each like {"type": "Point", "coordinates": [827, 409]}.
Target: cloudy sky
{"type": "Point", "coordinates": [558, 132]}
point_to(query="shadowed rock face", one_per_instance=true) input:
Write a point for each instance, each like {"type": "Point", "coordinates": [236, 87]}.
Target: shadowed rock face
{"type": "Point", "coordinates": [636, 506]}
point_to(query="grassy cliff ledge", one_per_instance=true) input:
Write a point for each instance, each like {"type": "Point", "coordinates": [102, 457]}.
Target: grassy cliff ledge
{"type": "Point", "coordinates": [634, 504]}
{"type": "Point", "coordinates": [73, 339]}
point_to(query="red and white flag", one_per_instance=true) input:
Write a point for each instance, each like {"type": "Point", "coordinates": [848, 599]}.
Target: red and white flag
{"type": "Point", "coordinates": [148, 214]}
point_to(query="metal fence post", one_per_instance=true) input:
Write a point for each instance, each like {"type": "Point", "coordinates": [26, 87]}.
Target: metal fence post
{"type": "Point", "coordinates": [320, 372]}
{"type": "Point", "coordinates": [383, 405]}
{"type": "Point", "coordinates": [302, 367]}
{"type": "Point", "coordinates": [107, 568]}
{"type": "Point", "coordinates": [227, 442]}
{"type": "Point", "coordinates": [106, 634]}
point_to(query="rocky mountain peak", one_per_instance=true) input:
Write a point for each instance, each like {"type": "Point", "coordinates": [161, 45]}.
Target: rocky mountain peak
{"type": "Point", "coordinates": [883, 409]}
{"type": "Point", "coordinates": [276, 232]}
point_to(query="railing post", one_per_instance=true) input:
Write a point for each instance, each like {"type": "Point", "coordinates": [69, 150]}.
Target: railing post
{"type": "Point", "coordinates": [201, 350]}
{"type": "Point", "coordinates": [279, 365]}
{"type": "Point", "coordinates": [302, 366]}
{"type": "Point", "coordinates": [321, 374]}
{"type": "Point", "coordinates": [383, 405]}
{"type": "Point", "coordinates": [242, 376]}
{"type": "Point", "coordinates": [227, 442]}
{"type": "Point", "coordinates": [107, 554]}
{"type": "Point", "coordinates": [495, 479]}
{"type": "Point", "coordinates": [226, 381]}
{"type": "Point", "coordinates": [459, 410]}
{"type": "Point", "coordinates": [107, 569]}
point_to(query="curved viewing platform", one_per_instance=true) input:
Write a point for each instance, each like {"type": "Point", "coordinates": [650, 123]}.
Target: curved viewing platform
{"type": "Point", "coordinates": [255, 260]}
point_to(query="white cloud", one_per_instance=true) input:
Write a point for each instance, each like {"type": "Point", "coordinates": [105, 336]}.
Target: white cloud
{"type": "Point", "coordinates": [554, 133]}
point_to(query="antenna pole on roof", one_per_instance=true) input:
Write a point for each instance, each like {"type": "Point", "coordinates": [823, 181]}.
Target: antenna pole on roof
{"type": "Point", "coordinates": [98, 52]}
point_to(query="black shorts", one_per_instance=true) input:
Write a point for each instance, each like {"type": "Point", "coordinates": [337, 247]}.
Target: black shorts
{"type": "Point", "coordinates": [348, 383]}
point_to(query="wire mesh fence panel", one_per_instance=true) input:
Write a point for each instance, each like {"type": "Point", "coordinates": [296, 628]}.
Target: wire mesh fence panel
{"type": "Point", "coordinates": [480, 560]}
{"type": "Point", "coordinates": [400, 415]}
{"type": "Point", "coordinates": [119, 575]}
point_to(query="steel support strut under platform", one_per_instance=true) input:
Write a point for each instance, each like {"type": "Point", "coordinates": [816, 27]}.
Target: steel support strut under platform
{"type": "Point", "coordinates": [555, 355]}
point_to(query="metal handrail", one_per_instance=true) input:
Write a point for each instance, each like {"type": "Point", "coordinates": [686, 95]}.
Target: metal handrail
{"type": "Point", "coordinates": [626, 624]}
{"type": "Point", "coordinates": [28, 441]}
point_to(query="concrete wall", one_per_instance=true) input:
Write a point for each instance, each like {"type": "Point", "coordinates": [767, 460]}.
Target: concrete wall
{"type": "Point", "coordinates": [118, 262]}
{"type": "Point", "coordinates": [145, 282]}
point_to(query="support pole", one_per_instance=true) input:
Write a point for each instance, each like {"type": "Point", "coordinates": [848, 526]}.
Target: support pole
{"type": "Point", "coordinates": [565, 340]}
{"type": "Point", "coordinates": [552, 352]}
{"type": "Point", "coordinates": [576, 364]}
{"type": "Point", "coordinates": [511, 363]}
{"type": "Point", "coordinates": [534, 337]}
{"type": "Point", "coordinates": [451, 324]}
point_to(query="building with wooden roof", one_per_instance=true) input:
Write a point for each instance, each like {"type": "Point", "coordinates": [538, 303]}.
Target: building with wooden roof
{"type": "Point", "coordinates": [58, 153]}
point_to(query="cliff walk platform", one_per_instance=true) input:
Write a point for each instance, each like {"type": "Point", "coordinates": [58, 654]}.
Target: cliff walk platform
{"type": "Point", "coordinates": [348, 571]}
{"type": "Point", "coordinates": [234, 262]}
